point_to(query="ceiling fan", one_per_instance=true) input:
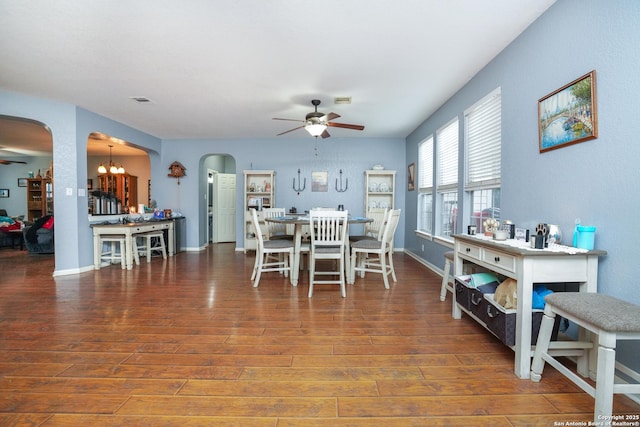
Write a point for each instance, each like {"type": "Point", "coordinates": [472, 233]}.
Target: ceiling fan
{"type": "Point", "coordinates": [316, 123]}
{"type": "Point", "coordinates": [8, 162]}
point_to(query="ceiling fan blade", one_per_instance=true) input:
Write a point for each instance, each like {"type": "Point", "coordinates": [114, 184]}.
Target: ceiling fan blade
{"type": "Point", "coordinates": [345, 125]}
{"type": "Point", "coordinates": [289, 120]}
{"type": "Point", "coordinates": [8, 162]}
{"type": "Point", "coordinates": [330, 116]}
{"type": "Point", "coordinates": [325, 134]}
{"type": "Point", "coordinates": [290, 130]}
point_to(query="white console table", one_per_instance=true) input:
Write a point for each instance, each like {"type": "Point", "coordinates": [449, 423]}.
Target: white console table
{"type": "Point", "coordinates": [515, 259]}
{"type": "Point", "coordinates": [129, 230]}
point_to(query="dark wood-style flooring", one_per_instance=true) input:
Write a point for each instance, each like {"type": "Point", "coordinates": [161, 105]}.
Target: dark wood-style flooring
{"type": "Point", "coordinates": [189, 342]}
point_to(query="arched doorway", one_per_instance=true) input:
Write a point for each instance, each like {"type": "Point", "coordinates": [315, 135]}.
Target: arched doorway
{"type": "Point", "coordinates": [219, 174]}
{"type": "Point", "coordinates": [26, 159]}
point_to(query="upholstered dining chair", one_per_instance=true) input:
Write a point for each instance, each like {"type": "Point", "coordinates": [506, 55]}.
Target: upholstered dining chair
{"type": "Point", "coordinates": [328, 240]}
{"type": "Point", "coordinates": [268, 253]}
{"type": "Point", "coordinates": [376, 256]}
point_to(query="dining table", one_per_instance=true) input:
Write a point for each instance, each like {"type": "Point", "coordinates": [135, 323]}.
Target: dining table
{"type": "Point", "coordinates": [299, 221]}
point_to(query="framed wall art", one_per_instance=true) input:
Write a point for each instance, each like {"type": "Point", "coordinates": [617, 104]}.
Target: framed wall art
{"type": "Point", "coordinates": [320, 181]}
{"type": "Point", "coordinates": [4, 193]}
{"type": "Point", "coordinates": [22, 182]}
{"type": "Point", "coordinates": [568, 115]}
{"type": "Point", "coordinates": [411, 177]}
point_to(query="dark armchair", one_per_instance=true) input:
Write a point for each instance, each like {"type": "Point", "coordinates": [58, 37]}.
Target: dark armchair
{"type": "Point", "coordinates": [38, 239]}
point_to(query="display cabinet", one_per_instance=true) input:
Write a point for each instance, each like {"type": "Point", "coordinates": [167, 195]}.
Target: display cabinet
{"type": "Point", "coordinates": [123, 186]}
{"type": "Point", "coordinates": [259, 193]}
{"type": "Point", "coordinates": [380, 188]}
{"type": "Point", "coordinates": [39, 198]}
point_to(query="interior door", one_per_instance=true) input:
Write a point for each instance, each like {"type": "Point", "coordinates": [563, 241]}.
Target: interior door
{"type": "Point", "coordinates": [225, 208]}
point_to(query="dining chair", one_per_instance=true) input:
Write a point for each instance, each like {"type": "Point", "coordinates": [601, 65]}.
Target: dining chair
{"type": "Point", "coordinates": [376, 256]}
{"type": "Point", "coordinates": [328, 240]}
{"type": "Point", "coordinates": [268, 253]}
{"type": "Point", "coordinates": [276, 230]}
{"type": "Point", "coordinates": [372, 230]}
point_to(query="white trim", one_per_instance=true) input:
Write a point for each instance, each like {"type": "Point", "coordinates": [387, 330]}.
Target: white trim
{"type": "Point", "coordinates": [423, 234]}
{"type": "Point", "coordinates": [444, 241]}
{"type": "Point", "coordinates": [70, 271]}
{"type": "Point", "coordinates": [439, 271]}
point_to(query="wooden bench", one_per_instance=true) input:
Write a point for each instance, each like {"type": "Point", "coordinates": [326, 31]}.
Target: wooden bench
{"type": "Point", "coordinates": [611, 319]}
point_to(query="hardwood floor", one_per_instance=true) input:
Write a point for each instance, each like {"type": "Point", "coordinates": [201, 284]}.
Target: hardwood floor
{"type": "Point", "coordinates": [189, 342]}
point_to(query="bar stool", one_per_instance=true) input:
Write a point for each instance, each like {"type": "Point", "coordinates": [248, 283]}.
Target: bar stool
{"type": "Point", "coordinates": [153, 242]}
{"type": "Point", "coordinates": [611, 319]}
{"type": "Point", "coordinates": [447, 277]}
{"type": "Point", "coordinates": [114, 250]}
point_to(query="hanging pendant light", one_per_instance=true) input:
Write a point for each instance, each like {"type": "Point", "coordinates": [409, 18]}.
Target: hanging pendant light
{"type": "Point", "coordinates": [113, 169]}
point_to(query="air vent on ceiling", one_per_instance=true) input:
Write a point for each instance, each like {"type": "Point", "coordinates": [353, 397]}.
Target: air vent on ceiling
{"type": "Point", "coordinates": [141, 99]}
{"type": "Point", "coordinates": [342, 100]}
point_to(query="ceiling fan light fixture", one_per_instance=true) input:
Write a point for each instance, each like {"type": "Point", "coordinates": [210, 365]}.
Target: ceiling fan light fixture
{"type": "Point", "coordinates": [315, 129]}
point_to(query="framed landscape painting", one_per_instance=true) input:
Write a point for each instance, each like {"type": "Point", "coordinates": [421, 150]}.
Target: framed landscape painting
{"type": "Point", "coordinates": [568, 115]}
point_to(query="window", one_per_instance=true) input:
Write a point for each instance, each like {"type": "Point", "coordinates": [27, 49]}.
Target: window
{"type": "Point", "coordinates": [447, 187]}
{"type": "Point", "coordinates": [425, 185]}
{"type": "Point", "coordinates": [483, 129]}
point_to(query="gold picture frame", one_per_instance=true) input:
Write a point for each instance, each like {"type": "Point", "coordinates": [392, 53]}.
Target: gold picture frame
{"type": "Point", "coordinates": [568, 115]}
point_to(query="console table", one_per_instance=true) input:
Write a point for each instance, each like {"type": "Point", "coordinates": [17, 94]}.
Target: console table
{"type": "Point", "coordinates": [129, 230]}
{"type": "Point", "coordinates": [515, 259]}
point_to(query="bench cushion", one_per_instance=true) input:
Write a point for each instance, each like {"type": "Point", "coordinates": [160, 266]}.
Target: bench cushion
{"type": "Point", "coordinates": [606, 312]}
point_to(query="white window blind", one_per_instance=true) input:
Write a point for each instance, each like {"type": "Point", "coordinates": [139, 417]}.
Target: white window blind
{"type": "Point", "coordinates": [447, 145]}
{"type": "Point", "coordinates": [483, 138]}
{"type": "Point", "coordinates": [425, 164]}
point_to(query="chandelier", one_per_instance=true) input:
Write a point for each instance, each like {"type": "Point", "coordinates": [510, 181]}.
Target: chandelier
{"type": "Point", "coordinates": [113, 169]}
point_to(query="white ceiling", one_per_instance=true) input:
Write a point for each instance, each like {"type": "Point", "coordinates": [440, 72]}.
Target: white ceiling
{"type": "Point", "coordinates": [224, 68]}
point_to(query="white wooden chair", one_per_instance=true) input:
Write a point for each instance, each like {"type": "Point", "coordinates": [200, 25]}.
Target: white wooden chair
{"type": "Point", "coordinates": [276, 230]}
{"type": "Point", "coordinates": [268, 253]}
{"type": "Point", "coordinates": [376, 256]}
{"type": "Point", "coordinates": [373, 230]}
{"type": "Point", "coordinates": [328, 241]}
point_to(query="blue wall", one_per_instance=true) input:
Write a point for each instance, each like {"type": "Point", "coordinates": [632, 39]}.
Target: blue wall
{"type": "Point", "coordinates": [285, 156]}
{"type": "Point", "coordinates": [594, 180]}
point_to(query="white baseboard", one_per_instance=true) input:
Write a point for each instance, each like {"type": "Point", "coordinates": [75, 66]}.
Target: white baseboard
{"type": "Point", "coordinates": [438, 270]}
{"type": "Point", "coordinates": [73, 271]}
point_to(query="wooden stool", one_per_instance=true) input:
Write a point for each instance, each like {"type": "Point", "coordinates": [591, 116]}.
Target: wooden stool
{"type": "Point", "coordinates": [154, 242]}
{"type": "Point", "coordinates": [109, 254]}
{"type": "Point", "coordinates": [447, 277]}
{"type": "Point", "coordinates": [611, 319]}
